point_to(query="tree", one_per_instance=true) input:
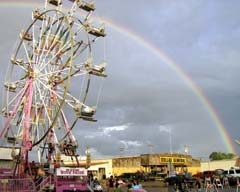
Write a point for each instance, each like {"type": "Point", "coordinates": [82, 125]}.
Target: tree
{"type": "Point", "coordinates": [220, 156]}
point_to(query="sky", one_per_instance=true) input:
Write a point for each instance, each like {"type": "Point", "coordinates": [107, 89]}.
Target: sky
{"type": "Point", "coordinates": [168, 61]}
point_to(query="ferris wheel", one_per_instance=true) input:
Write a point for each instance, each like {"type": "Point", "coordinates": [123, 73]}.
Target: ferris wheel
{"type": "Point", "coordinates": [47, 88]}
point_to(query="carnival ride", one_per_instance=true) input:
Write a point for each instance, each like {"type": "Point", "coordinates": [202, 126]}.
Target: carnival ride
{"type": "Point", "coordinates": [48, 85]}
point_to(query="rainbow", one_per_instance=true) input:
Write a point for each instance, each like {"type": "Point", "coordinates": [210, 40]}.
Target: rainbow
{"type": "Point", "coordinates": [184, 76]}
{"type": "Point", "coordinates": [160, 54]}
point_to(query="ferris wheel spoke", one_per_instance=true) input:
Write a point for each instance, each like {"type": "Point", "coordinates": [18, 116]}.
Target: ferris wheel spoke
{"type": "Point", "coordinates": [50, 39]}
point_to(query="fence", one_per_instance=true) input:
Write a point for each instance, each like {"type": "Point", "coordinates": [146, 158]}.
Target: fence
{"type": "Point", "coordinates": [17, 185]}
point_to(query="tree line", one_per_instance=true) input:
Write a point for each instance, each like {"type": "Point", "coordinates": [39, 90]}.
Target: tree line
{"type": "Point", "coordinates": [220, 156]}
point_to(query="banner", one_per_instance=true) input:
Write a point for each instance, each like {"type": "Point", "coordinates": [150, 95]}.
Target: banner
{"type": "Point", "coordinates": [67, 171]}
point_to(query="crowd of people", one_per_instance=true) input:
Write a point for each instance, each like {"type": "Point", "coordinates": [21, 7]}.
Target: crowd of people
{"type": "Point", "coordinates": [114, 184]}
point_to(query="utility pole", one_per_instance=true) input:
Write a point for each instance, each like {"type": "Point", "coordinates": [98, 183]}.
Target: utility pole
{"type": "Point", "coordinates": [170, 140]}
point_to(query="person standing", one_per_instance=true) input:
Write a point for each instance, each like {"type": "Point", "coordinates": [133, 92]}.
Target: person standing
{"type": "Point", "coordinates": [198, 185]}
{"type": "Point", "coordinates": [171, 183]}
{"type": "Point", "coordinates": [111, 184]}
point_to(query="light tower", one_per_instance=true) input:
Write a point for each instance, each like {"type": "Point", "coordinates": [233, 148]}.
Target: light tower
{"type": "Point", "coordinates": [121, 150]}
{"type": "Point", "coordinates": [186, 149]}
{"type": "Point", "coordinates": [151, 146]}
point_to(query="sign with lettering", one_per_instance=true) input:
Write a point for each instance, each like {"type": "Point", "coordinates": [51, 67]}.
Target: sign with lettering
{"type": "Point", "coordinates": [175, 160]}
{"type": "Point", "coordinates": [68, 171]}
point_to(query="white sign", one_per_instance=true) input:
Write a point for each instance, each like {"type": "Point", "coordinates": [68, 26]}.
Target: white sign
{"type": "Point", "coordinates": [67, 171]}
